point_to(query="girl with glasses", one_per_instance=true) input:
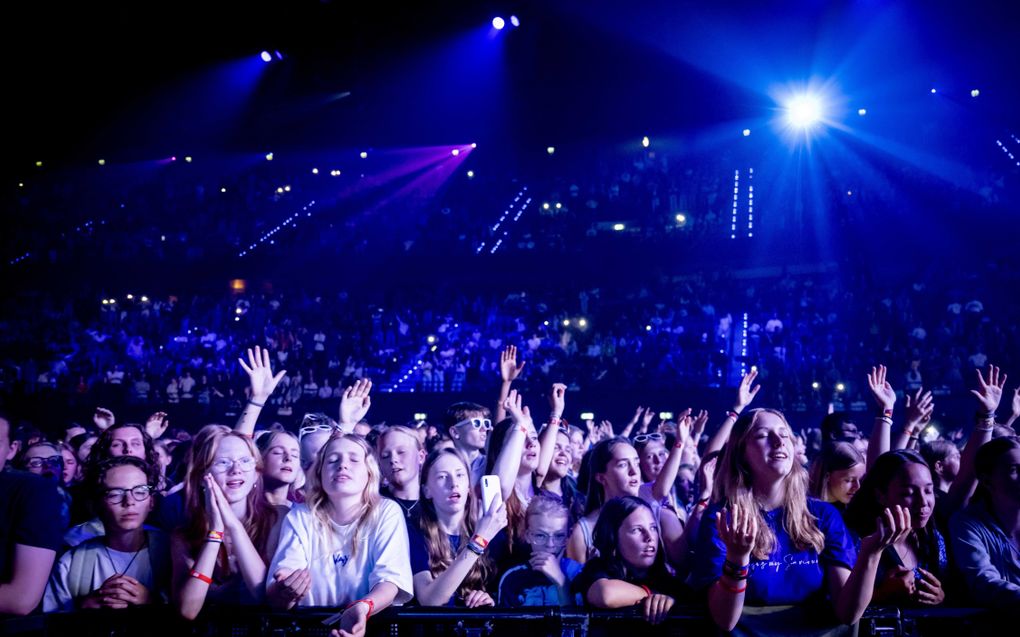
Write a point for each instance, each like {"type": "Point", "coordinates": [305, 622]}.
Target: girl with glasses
{"type": "Point", "coordinates": [546, 578]}
{"type": "Point", "coordinates": [128, 566]}
{"type": "Point", "coordinates": [222, 551]}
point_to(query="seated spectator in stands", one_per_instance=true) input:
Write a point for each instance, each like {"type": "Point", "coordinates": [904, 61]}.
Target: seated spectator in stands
{"type": "Point", "coordinates": [630, 567]}
{"type": "Point", "coordinates": [281, 457]}
{"type": "Point", "coordinates": [468, 426]}
{"type": "Point", "coordinates": [448, 553]}
{"type": "Point", "coordinates": [345, 546]}
{"type": "Point", "coordinates": [32, 522]}
{"type": "Point", "coordinates": [221, 552]}
{"type": "Point", "coordinates": [546, 579]}
{"type": "Point", "coordinates": [984, 535]}
{"type": "Point", "coordinates": [127, 566]}
{"type": "Point", "coordinates": [401, 456]}
{"type": "Point", "coordinates": [915, 569]}
{"type": "Point", "coordinates": [615, 471]}
{"type": "Point", "coordinates": [836, 474]}
{"type": "Point", "coordinates": [761, 520]}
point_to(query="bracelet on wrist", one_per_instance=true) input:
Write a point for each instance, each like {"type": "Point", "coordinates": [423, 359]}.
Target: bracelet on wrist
{"type": "Point", "coordinates": [371, 604]}
{"type": "Point", "coordinates": [736, 590]}
{"type": "Point", "coordinates": [480, 541]}
{"type": "Point", "coordinates": [648, 591]}
{"type": "Point", "coordinates": [252, 402]}
{"type": "Point", "coordinates": [886, 413]}
{"type": "Point", "coordinates": [200, 577]}
{"type": "Point", "coordinates": [474, 548]}
{"type": "Point", "coordinates": [733, 413]}
{"type": "Point", "coordinates": [214, 536]}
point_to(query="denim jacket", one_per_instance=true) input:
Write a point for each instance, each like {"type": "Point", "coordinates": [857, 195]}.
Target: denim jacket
{"type": "Point", "coordinates": [990, 563]}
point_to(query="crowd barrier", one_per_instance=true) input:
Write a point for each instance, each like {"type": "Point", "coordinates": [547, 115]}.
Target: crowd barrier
{"type": "Point", "coordinates": [458, 622]}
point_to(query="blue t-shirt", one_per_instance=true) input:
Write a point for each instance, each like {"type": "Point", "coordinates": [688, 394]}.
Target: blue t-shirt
{"type": "Point", "coordinates": [790, 575]}
{"type": "Point", "coordinates": [420, 553]}
{"type": "Point", "coordinates": [524, 586]}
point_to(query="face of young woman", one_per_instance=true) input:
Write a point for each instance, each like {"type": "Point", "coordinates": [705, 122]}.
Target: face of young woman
{"type": "Point", "coordinates": [70, 466]}
{"type": "Point", "coordinates": [1004, 479]}
{"type": "Point", "coordinates": [344, 469]}
{"type": "Point", "coordinates": [623, 474]}
{"type": "Point", "coordinates": [399, 459]}
{"type": "Point", "coordinates": [122, 509]}
{"type": "Point", "coordinates": [563, 457]}
{"type": "Point", "coordinates": [44, 460]}
{"type": "Point", "coordinates": [233, 468]}
{"type": "Point", "coordinates": [529, 461]}
{"type": "Point", "coordinates": [951, 465]}
{"type": "Point", "coordinates": [447, 485]}
{"type": "Point", "coordinates": [577, 445]}
{"type": "Point", "coordinates": [912, 488]}
{"type": "Point", "coordinates": [769, 449]}
{"type": "Point", "coordinates": [639, 539]}
{"type": "Point", "coordinates": [127, 441]}
{"type": "Point", "coordinates": [653, 456]}
{"type": "Point", "coordinates": [547, 534]}
{"type": "Point", "coordinates": [282, 459]}
{"type": "Point", "coordinates": [844, 483]}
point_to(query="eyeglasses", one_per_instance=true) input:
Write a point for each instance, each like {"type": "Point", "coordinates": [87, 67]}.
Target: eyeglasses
{"type": "Point", "coordinates": [556, 539]}
{"type": "Point", "coordinates": [656, 437]}
{"type": "Point", "coordinates": [477, 423]}
{"type": "Point", "coordinates": [141, 493]}
{"type": "Point", "coordinates": [39, 463]}
{"type": "Point", "coordinates": [224, 465]}
{"type": "Point", "coordinates": [311, 429]}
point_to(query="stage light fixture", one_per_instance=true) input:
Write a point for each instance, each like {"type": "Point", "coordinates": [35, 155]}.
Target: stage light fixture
{"type": "Point", "coordinates": [514, 20]}
{"type": "Point", "coordinates": [646, 142]}
{"type": "Point", "coordinates": [498, 23]}
{"type": "Point", "coordinates": [364, 155]}
{"type": "Point", "coordinates": [862, 112]}
{"type": "Point", "coordinates": [975, 93]}
{"type": "Point", "coordinates": [266, 56]}
{"type": "Point", "coordinates": [747, 132]}
{"type": "Point", "coordinates": [455, 152]}
{"type": "Point", "coordinates": [549, 149]}
{"type": "Point", "coordinates": [471, 174]}
{"type": "Point", "coordinates": [804, 111]}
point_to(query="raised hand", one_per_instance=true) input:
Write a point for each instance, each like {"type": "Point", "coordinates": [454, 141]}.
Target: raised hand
{"type": "Point", "coordinates": [745, 391]}
{"type": "Point", "coordinates": [989, 391]}
{"type": "Point", "coordinates": [557, 399]}
{"type": "Point", "coordinates": [605, 430]}
{"type": "Point", "coordinates": [737, 531]}
{"type": "Point", "coordinates": [891, 527]}
{"type": "Point", "coordinates": [103, 418]}
{"type": "Point", "coordinates": [706, 476]}
{"type": "Point", "coordinates": [493, 521]}
{"type": "Point", "coordinates": [355, 403]}
{"type": "Point", "coordinates": [881, 390]}
{"type": "Point", "coordinates": [683, 428]}
{"type": "Point", "coordinates": [508, 367]}
{"type": "Point", "coordinates": [698, 427]}
{"type": "Point", "coordinates": [656, 607]}
{"type": "Point", "coordinates": [646, 419]}
{"type": "Point", "coordinates": [213, 514]}
{"type": "Point", "coordinates": [919, 411]}
{"type": "Point", "coordinates": [260, 374]}
{"type": "Point", "coordinates": [1015, 407]}
{"type": "Point", "coordinates": [156, 425]}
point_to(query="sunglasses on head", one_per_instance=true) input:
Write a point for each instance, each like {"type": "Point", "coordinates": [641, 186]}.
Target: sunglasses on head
{"type": "Point", "coordinates": [656, 437]}
{"type": "Point", "coordinates": [477, 423]}
{"type": "Point", "coordinates": [311, 429]}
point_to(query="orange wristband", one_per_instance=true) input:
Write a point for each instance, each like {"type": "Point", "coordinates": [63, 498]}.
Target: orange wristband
{"type": "Point", "coordinates": [200, 577]}
{"type": "Point", "coordinates": [479, 540]}
{"type": "Point", "coordinates": [371, 604]}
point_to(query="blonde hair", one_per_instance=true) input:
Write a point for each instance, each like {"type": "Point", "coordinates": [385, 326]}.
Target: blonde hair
{"type": "Point", "coordinates": [734, 488]}
{"type": "Point", "coordinates": [318, 500]}
{"type": "Point", "coordinates": [400, 429]}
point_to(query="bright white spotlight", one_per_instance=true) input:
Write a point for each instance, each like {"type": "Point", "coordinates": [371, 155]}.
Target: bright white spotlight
{"type": "Point", "coordinates": [498, 23]}
{"type": "Point", "coordinates": [975, 93]}
{"type": "Point", "coordinates": [747, 132]}
{"type": "Point", "coordinates": [804, 111]}
{"type": "Point", "coordinates": [514, 20]}
{"type": "Point", "coordinates": [455, 152]}
{"type": "Point", "coordinates": [645, 141]}
{"type": "Point", "coordinates": [364, 155]}
{"type": "Point", "coordinates": [266, 56]}
{"type": "Point", "coordinates": [862, 112]}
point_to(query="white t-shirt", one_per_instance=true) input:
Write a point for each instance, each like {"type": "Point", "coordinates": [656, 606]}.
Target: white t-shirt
{"type": "Point", "coordinates": [338, 579]}
{"type": "Point", "coordinates": [108, 563]}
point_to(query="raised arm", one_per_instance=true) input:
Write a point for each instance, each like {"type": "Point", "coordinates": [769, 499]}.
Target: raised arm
{"type": "Point", "coordinates": [354, 404]}
{"type": "Point", "coordinates": [1015, 409]}
{"type": "Point", "coordinates": [667, 476]}
{"type": "Point", "coordinates": [885, 398]}
{"type": "Point", "coordinates": [508, 462]}
{"type": "Point", "coordinates": [633, 421]}
{"type": "Point", "coordinates": [988, 394]}
{"type": "Point", "coordinates": [547, 444]}
{"type": "Point", "coordinates": [745, 394]}
{"type": "Point", "coordinates": [919, 410]}
{"type": "Point", "coordinates": [726, 596]}
{"type": "Point", "coordinates": [509, 370]}
{"type": "Point", "coordinates": [262, 383]}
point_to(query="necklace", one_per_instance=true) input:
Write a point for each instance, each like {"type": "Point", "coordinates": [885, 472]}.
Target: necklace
{"type": "Point", "coordinates": [407, 510]}
{"type": "Point", "coordinates": [132, 561]}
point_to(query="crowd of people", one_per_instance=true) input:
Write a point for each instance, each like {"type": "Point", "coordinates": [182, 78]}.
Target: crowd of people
{"type": "Point", "coordinates": [514, 507]}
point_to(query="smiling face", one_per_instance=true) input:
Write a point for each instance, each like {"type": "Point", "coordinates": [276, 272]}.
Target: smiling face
{"type": "Point", "coordinates": [282, 459]}
{"type": "Point", "coordinates": [400, 459]}
{"type": "Point", "coordinates": [639, 539]}
{"type": "Point", "coordinates": [563, 457]}
{"type": "Point", "coordinates": [447, 484]}
{"type": "Point", "coordinates": [768, 450]}
{"type": "Point", "coordinates": [623, 473]}
{"type": "Point", "coordinates": [234, 468]}
{"type": "Point", "coordinates": [344, 471]}
{"type": "Point", "coordinates": [913, 489]}
{"type": "Point", "coordinates": [126, 512]}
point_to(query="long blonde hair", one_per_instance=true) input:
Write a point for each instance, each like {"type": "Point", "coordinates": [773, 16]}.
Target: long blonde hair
{"type": "Point", "coordinates": [734, 488]}
{"type": "Point", "coordinates": [318, 500]}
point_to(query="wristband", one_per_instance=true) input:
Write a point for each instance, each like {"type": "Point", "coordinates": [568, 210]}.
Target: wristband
{"type": "Point", "coordinates": [524, 430]}
{"type": "Point", "coordinates": [371, 604]}
{"type": "Point", "coordinates": [887, 413]}
{"type": "Point", "coordinates": [648, 591]}
{"type": "Point", "coordinates": [480, 541]}
{"type": "Point", "coordinates": [252, 402]}
{"type": "Point", "coordinates": [214, 536]}
{"type": "Point", "coordinates": [732, 414]}
{"type": "Point", "coordinates": [886, 419]}
{"type": "Point", "coordinates": [200, 577]}
{"type": "Point", "coordinates": [736, 590]}
{"type": "Point", "coordinates": [554, 420]}
{"type": "Point", "coordinates": [474, 548]}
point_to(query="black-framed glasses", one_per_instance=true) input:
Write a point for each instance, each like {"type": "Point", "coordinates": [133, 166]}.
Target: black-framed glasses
{"type": "Point", "coordinates": [141, 493]}
{"type": "Point", "coordinates": [655, 437]}
{"type": "Point", "coordinates": [53, 462]}
{"type": "Point", "coordinates": [478, 423]}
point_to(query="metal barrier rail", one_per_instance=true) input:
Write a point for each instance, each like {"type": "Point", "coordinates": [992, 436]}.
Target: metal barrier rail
{"type": "Point", "coordinates": [240, 621]}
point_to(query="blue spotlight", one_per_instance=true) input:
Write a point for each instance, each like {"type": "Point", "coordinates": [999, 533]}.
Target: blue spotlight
{"type": "Point", "coordinates": [498, 23]}
{"type": "Point", "coordinates": [514, 20]}
{"type": "Point", "coordinates": [266, 56]}
{"type": "Point", "coordinates": [804, 111]}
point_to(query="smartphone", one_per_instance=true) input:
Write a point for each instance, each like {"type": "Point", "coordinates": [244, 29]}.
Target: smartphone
{"type": "Point", "coordinates": [490, 490]}
{"type": "Point", "coordinates": [665, 415]}
{"type": "Point", "coordinates": [587, 415]}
